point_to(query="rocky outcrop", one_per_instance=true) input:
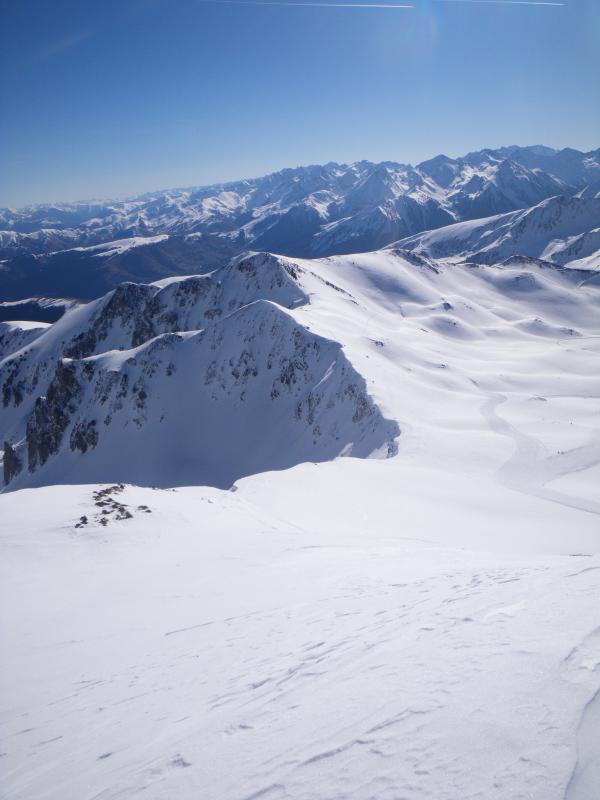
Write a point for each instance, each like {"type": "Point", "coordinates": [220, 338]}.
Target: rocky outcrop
{"type": "Point", "coordinates": [51, 416]}
{"type": "Point", "coordinates": [15, 335]}
{"type": "Point", "coordinates": [252, 392]}
{"type": "Point", "coordinates": [11, 463]}
{"type": "Point", "coordinates": [127, 311]}
{"type": "Point", "coordinates": [136, 313]}
{"type": "Point", "coordinates": [197, 380]}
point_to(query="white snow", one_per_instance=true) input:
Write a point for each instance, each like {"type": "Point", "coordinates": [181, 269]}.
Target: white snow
{"type": "Point", "coordinates": [16, 334]}
{"type": "Point", "coordinates": [120, 246]}
{"type": "Point", "coordinates": [421, 626]}
{"type": "Point", "coordinates": [563, 230]}
{"type": "Point", "coordinates": [383, 201]}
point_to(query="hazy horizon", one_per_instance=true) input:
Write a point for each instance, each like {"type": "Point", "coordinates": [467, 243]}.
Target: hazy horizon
{"type": "Point", "coordinates": [200, 185]}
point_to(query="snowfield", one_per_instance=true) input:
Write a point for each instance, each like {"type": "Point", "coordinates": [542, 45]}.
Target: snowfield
{"type": "Point", "coordinates": [560, 230]}
{"type": "Point", "coordinates": [421, 620]}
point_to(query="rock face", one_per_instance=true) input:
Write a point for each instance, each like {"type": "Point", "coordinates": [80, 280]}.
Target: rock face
{"type": "Point", "coordinates": [51, 416]}
{"type": "Point", "coordinates": [197, 380]}
{"type": "Point", "coordinates": [251, 393]}
{"type": "Point", "coordinates": [134, 313]}
{"type": "Point", "coordinates": [11, 462]}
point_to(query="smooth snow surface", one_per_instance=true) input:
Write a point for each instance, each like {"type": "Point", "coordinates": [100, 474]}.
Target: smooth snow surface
{"type": "Point", "coordinates": [121, 246]}
{"type": "Point", "coordinates": [357, 630]}
{"type": "Point", "coordinates": [421, 626]}
{"type": "Point", "coordinates": [562, 230]}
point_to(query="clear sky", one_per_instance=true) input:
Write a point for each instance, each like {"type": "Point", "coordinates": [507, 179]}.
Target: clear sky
{"type": "Point", "coordinates": [107, 98]}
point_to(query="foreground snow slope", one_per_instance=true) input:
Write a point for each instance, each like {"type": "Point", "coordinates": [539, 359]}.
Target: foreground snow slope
{"type": "Point", "coordinates": [349, 630]}
{"type": "Point", "coordinates": [421, 626]}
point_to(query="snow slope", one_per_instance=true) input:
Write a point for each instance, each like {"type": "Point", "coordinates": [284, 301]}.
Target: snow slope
{"type": "Point", "coordinates": [139, 385]}
{"type": "Point", "coordinates": [397, 628]}
{"type": "Point", "coordinates": [563, 230]}
{"type": "Point", "coordinates": [420, 626]}
{"type": "Point", "coordinates": [14, 335]}
{"type": "Point", "coordinates": [129, 316]}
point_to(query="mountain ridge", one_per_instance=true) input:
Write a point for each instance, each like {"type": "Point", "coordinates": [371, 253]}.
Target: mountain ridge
{"type": "Point", "coordinates": [312, 211]}
{"type": "Point", "coordinates": [264, 364]}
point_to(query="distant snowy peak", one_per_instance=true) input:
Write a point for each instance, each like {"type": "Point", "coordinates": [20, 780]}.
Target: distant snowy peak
{"type": "Point", "coordinates": [313, 210]}
{"type": "Point", "coordinates": [561, 230]}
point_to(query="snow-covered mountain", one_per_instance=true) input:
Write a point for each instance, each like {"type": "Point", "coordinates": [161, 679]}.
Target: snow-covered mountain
{"type": "Point", "coordinates": [16, 335]}
{"type": "Point", "coordinates": [163, 373]}
{"type": "Point", "coordinates": [562, 230]}
{"type": "Point", "coordinates": [419, 621]}
{"type": "Point", "coordinates": [329, 520]}
{"type": "Point", "coordinates": [91, 271]}
{"type": "Point", "coordinates": [303, 212]}
{"type": "Point", "coordinates": [34, 309]}
{"type": "Point", "coordinates": [208, 378]}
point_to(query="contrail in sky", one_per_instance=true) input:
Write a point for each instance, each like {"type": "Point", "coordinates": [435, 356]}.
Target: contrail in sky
{"type": "Point", "coordinates": [506, 2]}
{"type": "Point", "coordinates": [377, 5]}
{"type": "Point", "coordinates": [312, 5]}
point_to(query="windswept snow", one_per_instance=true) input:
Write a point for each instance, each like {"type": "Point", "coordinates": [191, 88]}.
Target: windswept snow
{"type": "Point", "coordinates": [421, 624]}
{"type": "Point", "coordinates": [561, 230]}
{"type": "Point", "coordinates": [109, 249]}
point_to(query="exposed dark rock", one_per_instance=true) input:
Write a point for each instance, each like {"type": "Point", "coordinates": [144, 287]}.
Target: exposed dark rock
{"type": "Point", "coordinates": [128, 303]}
{"type": "Point", "coordinates": [12, 463]}
{"type": "Point", "coordinates": [84, 436]}
{"type": "Point", "coordinates": [51, 416]}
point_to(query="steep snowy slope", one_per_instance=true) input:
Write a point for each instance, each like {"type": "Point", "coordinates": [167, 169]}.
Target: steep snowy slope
{"type": "Point", "coordinates": [204, 408]}
{"type": "Point", "coordinates": [563, 230]}
{"type": "Point", "coordinates": [253, 392]}
{"type": "Point", "coordinates": [14, 335]}
{"type": "Point", "coordinates": [421, 626]}
{"type": "Point", "coordinates": [200, 380]}
{"type": "Point", "coordinates": [131, 315]}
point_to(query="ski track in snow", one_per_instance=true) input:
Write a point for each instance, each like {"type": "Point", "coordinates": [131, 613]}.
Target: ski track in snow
{"type": "Point", "coordinates": [423, 627]}
{"type": "Point", "coordinates": [585, 778]}
{"type": "Point", "coordinates": [529, 469]}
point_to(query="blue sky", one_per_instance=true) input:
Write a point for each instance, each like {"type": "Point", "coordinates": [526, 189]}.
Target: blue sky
{"type": "Point", "coordinates": [106, 99]}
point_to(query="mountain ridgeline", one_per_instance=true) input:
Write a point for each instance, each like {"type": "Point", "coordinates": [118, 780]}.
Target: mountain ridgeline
{"type": "Point", "coordinates": [83, 250]}
{"type": "Point", "coordinates": [264, 364]}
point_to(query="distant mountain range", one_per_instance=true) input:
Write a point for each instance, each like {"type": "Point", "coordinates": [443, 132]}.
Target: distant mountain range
{"type": "Point", "coordinates": [310, 211]}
